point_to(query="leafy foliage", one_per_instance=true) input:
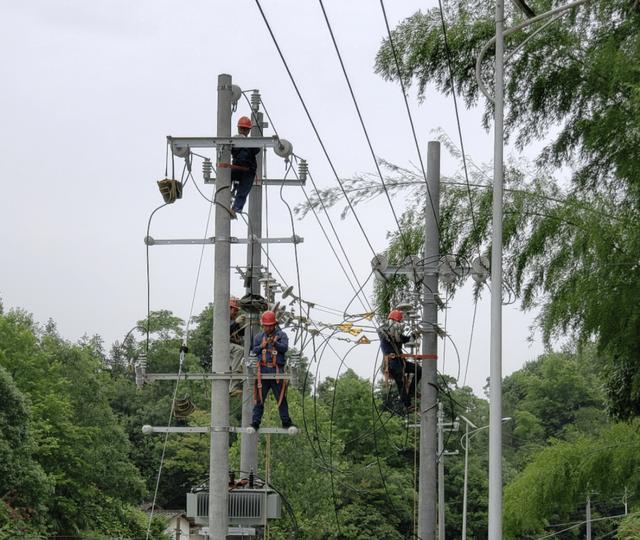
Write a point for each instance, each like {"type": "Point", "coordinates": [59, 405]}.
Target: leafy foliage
{"type": "Point", "coordinates": [570, 251]}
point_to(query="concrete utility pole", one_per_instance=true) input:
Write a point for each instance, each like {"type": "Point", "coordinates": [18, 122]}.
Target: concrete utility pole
{"type": "Point", "coordinates": [249, 441]}
{"type": "Point", "coordinates": [588, 537]}
{"type": "Point", "coordinates": [441, 518]}
{"type": "Point", "coordinates": [429, 396]}
{"type": "Point", "coordinates": [466, 474]}
{"type": "Point", "coordinates": [219, 450]}
{"type": "Point", "coordinates": [495, 371]}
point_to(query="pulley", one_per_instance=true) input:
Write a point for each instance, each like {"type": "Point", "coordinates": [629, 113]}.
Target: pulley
{"type": "Point", "coordinates": [283, 149]}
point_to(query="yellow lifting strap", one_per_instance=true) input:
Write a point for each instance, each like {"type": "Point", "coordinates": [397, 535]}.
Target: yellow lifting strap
{"type": "Point", "coordinates": [170, 190]}
{"type": "Point", "coordinates": [345, 326]}
{"type": "Point", "coordinates": [364, 340]}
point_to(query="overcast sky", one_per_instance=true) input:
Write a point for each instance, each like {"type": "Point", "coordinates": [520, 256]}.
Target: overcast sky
{"type": "Point", "coordinates": [91, 89]}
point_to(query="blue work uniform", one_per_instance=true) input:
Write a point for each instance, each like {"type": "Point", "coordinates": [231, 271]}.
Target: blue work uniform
{"type": "Point", "coordinates": [270, 350]}
{"type": "Point", "coordinates": [243, 173]}
{"type": "Point", "coordinates": [397, 367]}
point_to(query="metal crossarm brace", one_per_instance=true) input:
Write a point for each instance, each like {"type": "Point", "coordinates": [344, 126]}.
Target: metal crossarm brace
{"type": "Point", "coordinates": [150, 377]}
{"type": "Point", "coordinates": [150, 241]}
{"type": "Point", "coordinates": [208, 429]}
{"type": "Point", "coordinates": [211, 142]}
{"type": "Point", "coordinates": [407, 270]}
{"type": "Point", "coordinates": [273, 182]}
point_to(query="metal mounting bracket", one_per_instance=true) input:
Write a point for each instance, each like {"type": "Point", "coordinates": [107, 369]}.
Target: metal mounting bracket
{"type": "Point", "coordinates": [150, 241]}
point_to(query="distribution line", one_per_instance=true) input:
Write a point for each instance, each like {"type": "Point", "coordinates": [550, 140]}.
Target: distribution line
{"type": "Point", "coordinates": [455, 106]}
{"type": "Point", "coordinates": [473, 325]}
{"type": "Point", "coordinates": [313, 125]}
{"type": "Point", "coordinates": [406, 103]}
{"type": "Point", "coordinates": [183, 349]}
{"type": "Point", "coordinates": [315, 214]}
{"type": "Point", "coordinates": [324, 208]}
{"type": "Point", "coordinates": [364, 128]}
{"type": "Point", "coordinates": [347, 259]}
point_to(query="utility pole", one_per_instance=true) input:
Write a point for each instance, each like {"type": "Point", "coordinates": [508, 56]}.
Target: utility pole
{"type": "Point", "coordinates": [249, 441]}
{"type": "Point", "coordinates": [495, 372]}
{"type": "Point", "coordinates": [466, 474]}
{"type": "Point", "coordinates": [219, 450]}
{"type": "Point", "coordinates": [588, 537]}
{"type": "Point", "coordinates": [429, 396]}
{"type": "Point", "coordinates": [440, 472]}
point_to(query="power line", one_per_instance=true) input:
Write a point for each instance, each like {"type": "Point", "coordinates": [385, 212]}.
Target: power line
{"type": "Point", "coordinates": [406, 103]}
{"type": "Point", "coordinates": [455, 106]}
{"type": "Point", "coordinates": [313, 125]}
{"type": "Point", "coordinates": [364, 128]}
{"type": "Point", "coordinates": [316, 216]}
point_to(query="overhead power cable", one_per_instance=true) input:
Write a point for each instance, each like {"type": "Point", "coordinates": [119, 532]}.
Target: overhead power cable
{"type": "Point", "coordinates": [346, 257]}
{"type": "Point", "coordinates": [455, 106]}
{"type": "Point", "coordinates": [406, 103]}
{"type": "Point", "coordinates": [313, 125]}
{"type": "Point", "coordinates": [364, 128]}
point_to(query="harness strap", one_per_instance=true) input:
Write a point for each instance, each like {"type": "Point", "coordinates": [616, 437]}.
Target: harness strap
{"type": "Point", "coordinates": [283, 391]}
{"type": "Point", "coordinates": [257, 389]}
{"type": "Point", "coordinates": [233, 167]}
{"type": "Point", "coordinates": [386, 369]}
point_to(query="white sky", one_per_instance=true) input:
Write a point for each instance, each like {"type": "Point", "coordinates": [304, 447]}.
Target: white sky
{"type": "Point", "coordinates": [91, 89]}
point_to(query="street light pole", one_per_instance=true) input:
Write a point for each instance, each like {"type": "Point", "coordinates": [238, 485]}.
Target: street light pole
{"type": "Point", "coordinates": [466, 437]}
{"type": "Point", "coordinates": [466, 473]}
{"type": "Point", "coordinates": [495, 371]}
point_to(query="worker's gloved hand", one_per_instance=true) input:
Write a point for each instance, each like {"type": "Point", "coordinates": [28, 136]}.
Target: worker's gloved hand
{"type": "Point", "coordinates": [241, 319]}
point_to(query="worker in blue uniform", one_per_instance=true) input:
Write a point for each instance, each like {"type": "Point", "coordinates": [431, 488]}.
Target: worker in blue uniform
{"type": "Point", "coordinates": [270, 347]}
{"type": "Point", "coordinates": [243, 168]}
{"type": "Point", "coordinates": [406, 374]}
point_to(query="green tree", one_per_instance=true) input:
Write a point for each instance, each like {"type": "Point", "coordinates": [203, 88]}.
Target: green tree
{"type": "Point", "coordinates": [77, 440]}
{"type": "Point", "coordinates": [578, 83]}
{"type": "Point", "coordinates": [25, 489]}
{"type": "Point", "coordinates": [560, 476]}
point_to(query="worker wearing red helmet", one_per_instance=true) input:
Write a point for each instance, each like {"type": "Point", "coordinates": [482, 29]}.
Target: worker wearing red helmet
{"type": "Point", "coordinates": [237, 325]}
{"type": "Point", "coordinates": [270, 347]}
{"type": "Point", "coordinates": [406, 374]}
{"type": "Point", "coordinates": [243, 168]}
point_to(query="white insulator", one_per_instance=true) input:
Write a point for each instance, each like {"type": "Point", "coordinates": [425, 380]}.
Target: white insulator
{"type": "Point", "coordinates": [293, 430]}
{"type": "Point", "coordinates": [147, 429]}
{"type": "Point", "coordinates": [207, 168]}
{"type": "Point", "coordinates": [255, 100]}
{"type": "Point", "coordinates": [303, 169]}
{"type": "Point", "coordinates": [250, 430]}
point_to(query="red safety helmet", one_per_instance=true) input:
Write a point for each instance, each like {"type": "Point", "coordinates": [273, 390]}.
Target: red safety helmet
{"type": "Point", "coordinates": [396, 315]}
{"type": "Point", "coordinates": [268, 318]}
{"type": "Point", "coordinates": [244, 122]}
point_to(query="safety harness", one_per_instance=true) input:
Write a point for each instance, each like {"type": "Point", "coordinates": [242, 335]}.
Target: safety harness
{"type": "Point", "coordinates": [269, 358]}
{"type": "Point", "coordinates": [384, 333]}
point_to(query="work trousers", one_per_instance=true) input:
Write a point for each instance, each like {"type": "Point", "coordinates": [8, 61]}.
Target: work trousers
{"type": "Point", "coordinates": [276, 389]}
{"type": "Point", "coordinates": [236, 353]}
{"type": "Point", "coordinates": [407, 375]}
{"type": "Point", "coordinates": [243, 181]}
